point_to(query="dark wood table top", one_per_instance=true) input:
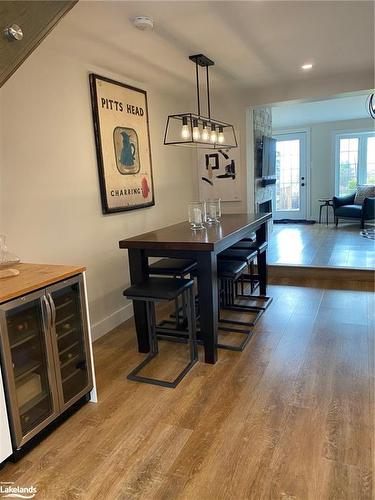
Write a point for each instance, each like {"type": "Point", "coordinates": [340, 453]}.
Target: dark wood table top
{"type": "Point", "coordinates": [182, 237]}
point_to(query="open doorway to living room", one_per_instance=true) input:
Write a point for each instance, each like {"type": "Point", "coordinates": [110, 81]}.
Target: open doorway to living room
{"type": "Point", "coordinates": [324, 193]}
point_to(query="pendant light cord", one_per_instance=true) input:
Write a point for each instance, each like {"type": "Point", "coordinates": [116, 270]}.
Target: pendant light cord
{"type": "Point", "coordinates": [198, 96]}
{"type": "Point", "coordinates": [208, 94]}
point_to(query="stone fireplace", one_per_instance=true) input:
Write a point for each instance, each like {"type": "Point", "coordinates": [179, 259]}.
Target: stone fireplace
{"type": "Point", "coordinates": [263, 195]}
{"type": "Point", "coordinates": [265, 207]}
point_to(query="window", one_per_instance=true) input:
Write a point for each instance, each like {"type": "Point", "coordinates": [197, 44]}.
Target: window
{"type": "Point", "coordinates": [370, 157]}
{"type": "Point", "coordinates": [355, 161]}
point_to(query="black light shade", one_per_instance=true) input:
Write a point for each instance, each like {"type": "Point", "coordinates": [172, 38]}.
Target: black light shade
{"type": "Point", "coordinates": [196, 130]}
{"type": "Point", "coordinates": [173, 132]}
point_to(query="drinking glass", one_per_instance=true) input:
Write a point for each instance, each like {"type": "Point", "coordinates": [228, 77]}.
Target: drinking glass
{"type": "Point", "coordinates": [7, 258]}
{"type": "Point", "coordinates": [213, 209]}
{"type": "Point", "coordinates": [197, 214]}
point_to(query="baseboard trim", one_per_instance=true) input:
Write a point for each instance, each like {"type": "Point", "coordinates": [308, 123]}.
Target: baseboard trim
{"type": "Point", "coordinates": [110, 322]}
{"type": "Point", "coordinates": [293, 274]}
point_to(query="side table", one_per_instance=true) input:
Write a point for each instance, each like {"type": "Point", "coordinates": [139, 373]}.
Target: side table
{"type": "Point", "coordinates": [325, 202]}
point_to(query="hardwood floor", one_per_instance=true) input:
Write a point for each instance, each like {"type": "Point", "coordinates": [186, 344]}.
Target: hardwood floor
{"type": "Point", "coordinates": [291, 417]}
{"type": "Point", "coordinates": [321, 245]}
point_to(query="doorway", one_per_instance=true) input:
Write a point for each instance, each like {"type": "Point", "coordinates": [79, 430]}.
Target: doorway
{"type": "Point", "coordinates": [291, 176]}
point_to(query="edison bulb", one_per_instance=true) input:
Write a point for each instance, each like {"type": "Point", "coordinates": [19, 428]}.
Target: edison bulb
{"type": "Point", "coordinates": [205, 134]}
{"type": "Point", "coordinates": [213, 136]}
{"type": "Point", "coordinates": [185, 132]}
{"type": "Point", "coordinates": [196, 133]}
{"type": "Point", "coordinates": [220, 137]}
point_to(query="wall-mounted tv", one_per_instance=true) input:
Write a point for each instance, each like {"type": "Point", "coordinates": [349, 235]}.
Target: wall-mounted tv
{"type": "Point", "coordinates": [268, 157]}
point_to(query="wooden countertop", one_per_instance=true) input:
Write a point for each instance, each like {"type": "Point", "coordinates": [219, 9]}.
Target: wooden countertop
{"type": "Point", "coordinates": [33, 277]}
{"type": "Point", "coordinates": [181, 236]}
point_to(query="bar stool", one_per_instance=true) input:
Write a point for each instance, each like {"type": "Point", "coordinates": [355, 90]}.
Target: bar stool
{"type": "Point", "coordinates": [246, 257]}
{"type": "Point", "coordinates": [243, 254]}
{"type": "Point", "coordinates": [172, 267]}
{"type": "Point", "coordinates": [176, 268]}
{"type": "Point", "coordinates": [254, 278]}
{"type": "Point", "coordinates": [245, 244]}
{"type": "Point", "coordinates": [228, 273]}
{"type": "Point", "coordinates": [156, 290]}
{"type": "Point", "coordinates": [239, 254]}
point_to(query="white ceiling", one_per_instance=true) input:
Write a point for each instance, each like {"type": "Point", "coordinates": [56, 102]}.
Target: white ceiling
{"type": "Point", "coordinates": [253, 43]}
{"type": "Point", "coordinates": [343, 108]}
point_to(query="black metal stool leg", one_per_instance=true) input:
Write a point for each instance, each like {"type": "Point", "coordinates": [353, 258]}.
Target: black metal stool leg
{"type": "Point", "coordinates": [153, 327]}
{"type": "Point", "coordinates": [133, 375]}
{"type": "Point", "coordinates": [261, 280]}
{"type": "Point", "coordinates": [177, 310]}
{"type": "Point", "coordinates": [252, 287]}
{"type": "Point", "coordinates": [225, 299]}
{"type": "Point", "coordinates": [231, 305]}
{"type": "Point", "coordinates": [188, 301]}
{"type": "Point", "coordinates": [192, 327]}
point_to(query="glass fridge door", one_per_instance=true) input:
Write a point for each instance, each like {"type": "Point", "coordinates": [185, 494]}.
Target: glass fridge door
{"type": "Point", "coordinates": [70, 340]}
{"type": "Point", "coordinates": [27, 364]}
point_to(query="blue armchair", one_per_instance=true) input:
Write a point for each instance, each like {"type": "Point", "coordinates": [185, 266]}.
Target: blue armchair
{"type": "Point", "coordinates": [344, 208]}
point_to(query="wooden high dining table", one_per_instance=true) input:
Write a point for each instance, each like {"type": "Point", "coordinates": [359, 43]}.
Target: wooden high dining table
{"type": "Point", "coordinates": [203, 245]}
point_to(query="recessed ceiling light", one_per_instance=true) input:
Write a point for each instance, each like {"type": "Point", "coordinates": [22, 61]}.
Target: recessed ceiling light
{"type": "Point", "coordinates": [307, 66]}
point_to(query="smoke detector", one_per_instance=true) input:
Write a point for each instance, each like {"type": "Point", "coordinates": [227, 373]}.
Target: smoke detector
{"type": "Point", "coordinates": [143, 23]}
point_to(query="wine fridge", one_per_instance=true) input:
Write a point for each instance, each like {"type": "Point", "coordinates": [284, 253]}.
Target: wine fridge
{"type": "Point", "coordinates": [45, 356]}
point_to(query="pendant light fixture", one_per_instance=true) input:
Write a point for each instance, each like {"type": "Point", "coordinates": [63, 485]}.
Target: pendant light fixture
{"type": "Point", "coordinates": [195, 129]}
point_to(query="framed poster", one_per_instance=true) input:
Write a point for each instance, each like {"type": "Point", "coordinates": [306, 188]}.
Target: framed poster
{"type": "Point", "coordinates": [219, 174]}
{"type": "Point", "coordinates": [123, 149]}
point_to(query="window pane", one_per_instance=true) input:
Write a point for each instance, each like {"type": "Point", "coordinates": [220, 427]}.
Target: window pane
{"type": "Point", "coordinates": [370, 168]}
{"type": "Point", "coordinates": [348, 165]}
{"type": "Point", "coordinates": [344, 144]}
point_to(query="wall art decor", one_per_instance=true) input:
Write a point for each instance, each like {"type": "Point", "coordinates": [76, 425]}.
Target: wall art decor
{"type": "Point", "coordinates": [219, 174]}
{"type": "Point", "coordinates": [123, 149]}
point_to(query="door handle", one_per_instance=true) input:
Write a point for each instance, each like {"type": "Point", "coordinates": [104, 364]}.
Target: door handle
{"type": "Point", "coordinates": [53, 309]}
{"type": "Point", "coordinates": [47, 311]}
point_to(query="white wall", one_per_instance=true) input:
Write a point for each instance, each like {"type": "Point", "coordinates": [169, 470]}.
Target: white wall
{"type": "Point", "coordinates": [229, 107]}
{"type": "Point", "coordinates": [322, 170]}
{"type": "Point", "coordinates": [50, 192]}
{"type": "Point", "coordinates": [311, 88]}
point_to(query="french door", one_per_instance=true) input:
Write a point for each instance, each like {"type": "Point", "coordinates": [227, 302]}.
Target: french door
{"type": "Point", "coordinates": [291, 169]}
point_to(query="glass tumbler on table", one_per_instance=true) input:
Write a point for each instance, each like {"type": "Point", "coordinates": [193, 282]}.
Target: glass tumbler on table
{"type": "Point", "coordinates": [197, 214]}
{"type": "Point", "coordinates": [213, 208]}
